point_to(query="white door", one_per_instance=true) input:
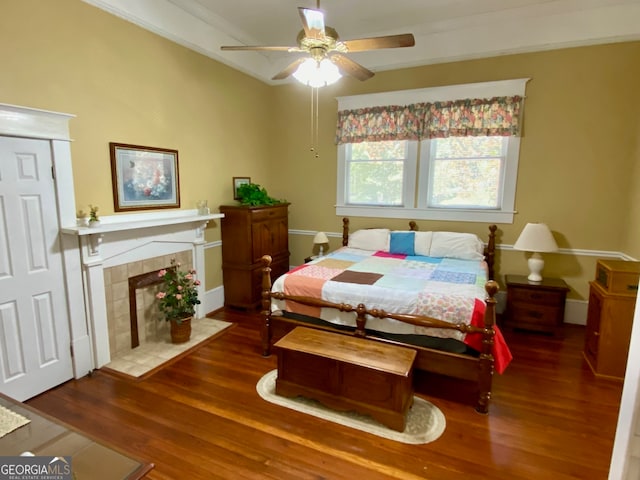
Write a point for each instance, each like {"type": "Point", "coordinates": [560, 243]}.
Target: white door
{"type": "Point", "coordinates": [35, 350]}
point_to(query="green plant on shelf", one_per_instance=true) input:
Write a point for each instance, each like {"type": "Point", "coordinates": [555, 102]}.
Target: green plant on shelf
{"type": "Point", "coordinates": [93, 214]}
{"type": "Point", "coordinates": [254, 195]}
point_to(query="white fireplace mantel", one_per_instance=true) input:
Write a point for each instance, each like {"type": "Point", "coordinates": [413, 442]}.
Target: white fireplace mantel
{"type": "Point", "coordinates": [122, 223]}
{"type": "Point", "coordinates": [125, 238]}
{"type": "Point", "coordinates": [117, 223]}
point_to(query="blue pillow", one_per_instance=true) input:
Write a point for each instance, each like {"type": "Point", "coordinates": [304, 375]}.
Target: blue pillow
{"type": "Point", "coordinates": [402, 243]}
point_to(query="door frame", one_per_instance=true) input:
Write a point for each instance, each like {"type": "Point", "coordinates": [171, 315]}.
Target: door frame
{"type": "Point", "coordinates": [25, 122]}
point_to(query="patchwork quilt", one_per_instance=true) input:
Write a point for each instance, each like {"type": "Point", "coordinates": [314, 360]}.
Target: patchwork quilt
{"type": "Point", "coordinates": [444, 288]}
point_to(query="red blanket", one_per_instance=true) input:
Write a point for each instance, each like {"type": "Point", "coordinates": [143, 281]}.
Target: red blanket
{"type": "Point", "coordinates": [501, 353]}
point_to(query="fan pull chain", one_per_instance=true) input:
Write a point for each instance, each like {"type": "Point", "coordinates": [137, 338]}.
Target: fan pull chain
{"type": "Point", "coordinates": [317, 122]}
{"type": "Point", "coordinates": [314, 121]}
{"type": "Point", "coordinates": [311, 123]}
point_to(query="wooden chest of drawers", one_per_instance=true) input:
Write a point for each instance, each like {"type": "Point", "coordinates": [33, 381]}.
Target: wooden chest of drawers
{"type": "Point", "coordinates": [535, 306]}
{"type": "Point", "coordinates": [248, 233]}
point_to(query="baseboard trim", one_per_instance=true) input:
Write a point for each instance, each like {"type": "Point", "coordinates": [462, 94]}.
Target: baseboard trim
{"type": "Point", "coordinates": [213, 299]}
{"type": "Point", "coordinates": [575, 311]}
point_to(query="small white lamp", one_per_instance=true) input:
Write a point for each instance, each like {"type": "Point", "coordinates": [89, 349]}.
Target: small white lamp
{"type": "Point", "coordinates": [536, 238]}
{"type": "Point", "coordinates": [320, 239]}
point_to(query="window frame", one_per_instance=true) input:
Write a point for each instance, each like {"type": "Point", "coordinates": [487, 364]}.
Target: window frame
{"type": "Point", "coordinates": [408, 184]}
{"type": "Point", "coordinates": [415, 181]}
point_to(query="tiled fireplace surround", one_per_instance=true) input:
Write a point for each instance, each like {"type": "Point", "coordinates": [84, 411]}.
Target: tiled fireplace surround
{"type": "Point", "coordinates": [150, 323]}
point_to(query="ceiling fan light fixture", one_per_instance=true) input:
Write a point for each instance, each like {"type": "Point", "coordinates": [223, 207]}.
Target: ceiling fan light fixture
{"type": "Point", "coordinates": [317, 74]}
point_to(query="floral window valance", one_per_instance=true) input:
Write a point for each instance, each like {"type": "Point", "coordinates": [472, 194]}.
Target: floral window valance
{"type": "Point", "coordinates": [498, 116]}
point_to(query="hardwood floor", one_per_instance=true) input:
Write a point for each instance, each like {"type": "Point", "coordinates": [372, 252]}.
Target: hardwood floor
{"type": "Point", "coordinates": [201, 418]}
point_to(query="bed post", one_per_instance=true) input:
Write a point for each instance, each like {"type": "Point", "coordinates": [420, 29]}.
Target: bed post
{"type": "Point", "coordinates": [486, 360]}
{"type": "Point", "coordinates": [413, 226]}
{"type": "Point", "coordinates": [345, 231]}
{"type": "Point", "coordinates": [490, 252]}
{"type": "Point", "coordinates": [265, 328]}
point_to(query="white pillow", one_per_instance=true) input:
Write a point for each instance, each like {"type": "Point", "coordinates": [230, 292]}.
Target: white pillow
{"type": "Point", "coordinates": [422, 244]}
{"type": "Point", "coordinates": [466, 246]}
{"type": "Point", "coordinates": [373, 239]}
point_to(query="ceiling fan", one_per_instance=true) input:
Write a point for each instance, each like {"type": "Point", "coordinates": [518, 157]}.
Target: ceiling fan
{"type": "Point", "coordinates": [321, 42]}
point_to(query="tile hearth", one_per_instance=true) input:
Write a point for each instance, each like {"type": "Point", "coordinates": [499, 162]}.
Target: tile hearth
{"type": "Point", "coordinates": [150, 355]}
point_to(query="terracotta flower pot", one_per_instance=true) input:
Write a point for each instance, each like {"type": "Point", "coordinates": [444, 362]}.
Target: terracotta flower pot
{"type": "Point", "coordinates": [180, 330]}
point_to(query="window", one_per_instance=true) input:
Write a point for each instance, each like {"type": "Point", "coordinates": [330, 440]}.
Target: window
{"type": "Point", "coordinates": [466, 172]}
{"type": "Point", "coordinates": [377, 173]}
{"type": "Point", "coordinates": [462, 178]}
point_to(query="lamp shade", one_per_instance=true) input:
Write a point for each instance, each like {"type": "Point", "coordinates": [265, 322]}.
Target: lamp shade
{"type": "Point", "coordinates": [320, 238]}
{"type": "Point", "coordinates": [536, 237]}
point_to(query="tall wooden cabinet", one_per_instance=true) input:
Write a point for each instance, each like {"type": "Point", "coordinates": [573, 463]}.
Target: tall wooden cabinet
{"type": "Point", "coordinates": [248, 233]}
{"type": "Point", "coordinates": [612, 298]}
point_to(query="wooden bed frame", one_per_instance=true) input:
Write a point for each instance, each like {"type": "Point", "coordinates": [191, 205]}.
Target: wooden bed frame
{"type": "Point", "coordinates": [475, 369]}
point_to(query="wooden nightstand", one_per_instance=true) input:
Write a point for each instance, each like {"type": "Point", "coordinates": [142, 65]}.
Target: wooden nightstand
{"type": "Point", "coordinates": [535, 306]}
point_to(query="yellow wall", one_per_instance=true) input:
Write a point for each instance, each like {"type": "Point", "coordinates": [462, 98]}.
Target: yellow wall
{"type": "Point", "coordinates": [128, 85]}
{"type": "Point", "coordinates": [579, 157]}
{"type": "Point", "coordinates": [632, 238]}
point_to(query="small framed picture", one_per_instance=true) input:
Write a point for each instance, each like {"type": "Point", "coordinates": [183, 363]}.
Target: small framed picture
{"type": "Point", "coordinates": [237, 181]}
{"type": "Point", "coordinates": [144, 178]}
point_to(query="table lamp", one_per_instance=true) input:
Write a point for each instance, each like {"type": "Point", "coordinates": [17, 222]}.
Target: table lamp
{"type": "Point", "coordinates": [320, 239]}
{"type": "Point", "coordinates": [536, 238]}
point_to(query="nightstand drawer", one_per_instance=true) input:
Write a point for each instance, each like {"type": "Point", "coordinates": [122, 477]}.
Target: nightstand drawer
{"type": "Point", "coordinates": [537, 297]}
{"type": "Point", "coordinates": [528, 315]}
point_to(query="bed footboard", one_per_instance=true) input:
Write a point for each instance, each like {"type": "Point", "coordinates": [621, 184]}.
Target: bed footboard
{"type": "Point", "coordinates": [485, 360]}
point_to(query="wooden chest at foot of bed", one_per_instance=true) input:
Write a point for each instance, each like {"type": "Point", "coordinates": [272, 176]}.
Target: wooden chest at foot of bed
{"type": "Point", "coordinates": [347, 373]}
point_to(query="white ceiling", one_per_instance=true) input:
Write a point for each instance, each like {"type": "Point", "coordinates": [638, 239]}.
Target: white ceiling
{"type": "Point", "coordinates": [445, 30]}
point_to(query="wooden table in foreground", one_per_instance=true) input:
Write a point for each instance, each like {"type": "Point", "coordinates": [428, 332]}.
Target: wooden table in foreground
{"type": "Point", "coordinates": [347, 373]}
{"type": "Point", "coordinates": [46, 436]}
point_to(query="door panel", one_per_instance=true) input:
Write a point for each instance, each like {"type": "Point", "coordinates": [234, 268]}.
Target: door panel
{"type": "Point", "coordinates": [34, 323]}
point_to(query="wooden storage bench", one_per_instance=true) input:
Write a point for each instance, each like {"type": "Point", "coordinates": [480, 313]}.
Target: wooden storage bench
{"type": "Point", "coordinates": [347, 373]}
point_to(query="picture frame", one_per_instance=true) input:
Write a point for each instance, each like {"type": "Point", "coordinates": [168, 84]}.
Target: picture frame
{"type": "Point", "coordinates": [237, 181]}
{"type": "Point", "coordinates": [144, 178]}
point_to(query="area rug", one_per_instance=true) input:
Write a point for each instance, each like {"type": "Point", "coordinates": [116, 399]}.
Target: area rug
{"type": "Point", "coordinates": [10, 421]}
{"type": "Point", "coordinates": [147, 358]}
{"type": "Point", "coordinates": [425, 421]}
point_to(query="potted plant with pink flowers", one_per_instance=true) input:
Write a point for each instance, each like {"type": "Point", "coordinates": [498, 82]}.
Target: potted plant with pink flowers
{"type": "Point", "coordinates": [177, 300]}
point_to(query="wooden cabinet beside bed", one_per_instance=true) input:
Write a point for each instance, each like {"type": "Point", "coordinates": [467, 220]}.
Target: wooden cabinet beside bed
{"type": "Point", "coordinates": [248, 233]}
{"type": "Point", "coordinates": [536, 306]}
{"type": "Point", "coordinates": [612, 299]}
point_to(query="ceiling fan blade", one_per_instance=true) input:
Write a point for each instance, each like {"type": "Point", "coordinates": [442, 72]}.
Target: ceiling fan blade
{"type": "Point", "coordinates": [258, 47]}
{"type": "Point", "coordinates": [350, 67]}
{"type": "Point", "coordinates": [289, 70]}
{"type": "Point", "coordinates": [375, 43]}
{"type": "Point", "coordinates": [312, 22]}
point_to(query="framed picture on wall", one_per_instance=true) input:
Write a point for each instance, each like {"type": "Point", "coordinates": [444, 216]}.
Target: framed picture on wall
{"type": "Point", "coordinates": [144, 178]}
{"type": "Point", "coordinates": [237, 181]}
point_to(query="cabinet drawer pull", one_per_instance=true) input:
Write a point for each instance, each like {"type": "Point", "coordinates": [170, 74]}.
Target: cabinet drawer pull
{"type": "Point", "coordinates": [535, 314]}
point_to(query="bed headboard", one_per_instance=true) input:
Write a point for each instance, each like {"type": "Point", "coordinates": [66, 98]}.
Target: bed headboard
{"type": "Point", "coordinates": [489, 249]}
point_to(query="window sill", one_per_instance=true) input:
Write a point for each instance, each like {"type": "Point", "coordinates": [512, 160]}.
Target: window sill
{"type": "Point", "coordinates": [484, 216]}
